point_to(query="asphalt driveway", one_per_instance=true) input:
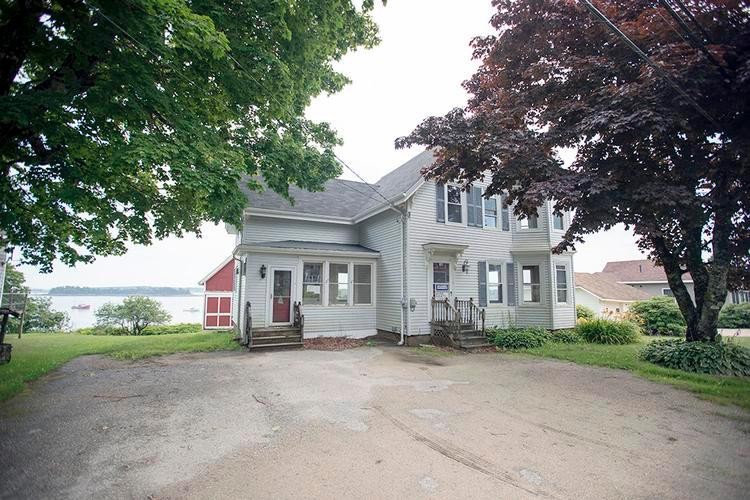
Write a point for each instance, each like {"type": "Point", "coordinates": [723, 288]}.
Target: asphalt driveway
{"type": "Point", "coordinates": [372, 422]}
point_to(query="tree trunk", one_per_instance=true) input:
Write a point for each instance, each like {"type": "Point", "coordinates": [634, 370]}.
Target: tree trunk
{"type": "Point", "coordinates": [18, 27]}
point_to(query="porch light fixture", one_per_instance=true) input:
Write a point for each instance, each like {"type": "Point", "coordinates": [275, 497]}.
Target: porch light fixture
{"type": "Point", "coordinates": [263, 271]}
{"type": "Point", "coordinates": [465, 266]}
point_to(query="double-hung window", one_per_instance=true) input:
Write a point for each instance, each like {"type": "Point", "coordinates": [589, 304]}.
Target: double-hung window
{"type": "Point", "coordinates": [312, 281]}
{"type": "Point", "coordinates": [455, 208]}
{"type": "Point", "coordinates": [505, 213]}
{"type": "Point", "coordinates": [532, 286]}
{"type": "Point", "coordinates": [490, 213]}
{"type": "Point", "coordinates": [667, 292]}
{"type": "Point", "coordinates": [338, 284]}
{"type": "Point", "coordinates": [561, 273]}
{"type": "Point", "coordinates": [362, 284]}
{"type": "Point", "coordinates": [495, 283]}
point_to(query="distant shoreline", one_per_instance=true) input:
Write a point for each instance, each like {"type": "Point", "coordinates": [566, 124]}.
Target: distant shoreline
{"type": "Point", "coordinates": [66, 291]}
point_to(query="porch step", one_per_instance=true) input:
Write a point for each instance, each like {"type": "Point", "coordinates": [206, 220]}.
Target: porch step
{"type": "Point", "coordinates": [275, 331]}
{"type": "Point", "coordinates": [276, 339]}
{"type": "Point", "coordinates": [279, 344]}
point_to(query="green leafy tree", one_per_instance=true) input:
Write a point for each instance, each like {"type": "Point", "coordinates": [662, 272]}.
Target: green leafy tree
{"type": "Point", "coordinates": [138, 119]}
{"type": "Point", "coordinates": [38, 313]}
{"type": "Point", "coordinates": [40, 317]}
{"type": "Point", "coordinates": [133, 315]}
{"type": "Point", "coordinates": [555, 77]}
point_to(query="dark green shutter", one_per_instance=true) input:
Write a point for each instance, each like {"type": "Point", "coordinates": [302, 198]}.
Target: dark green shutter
{"type": "Point", "coordinates": [440, 202]}
{"type": "Point", "coordinates": [482, 272]}
{"type": "Point", "coordinates": [510, 277]}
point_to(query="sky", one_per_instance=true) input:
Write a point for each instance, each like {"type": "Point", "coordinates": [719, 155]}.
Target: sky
{"type": "Point", "coordinates": [415, 72]}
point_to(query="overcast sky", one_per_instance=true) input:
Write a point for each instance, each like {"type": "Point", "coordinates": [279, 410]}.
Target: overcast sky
{"type": "Point", "coordinates": [415, 72]}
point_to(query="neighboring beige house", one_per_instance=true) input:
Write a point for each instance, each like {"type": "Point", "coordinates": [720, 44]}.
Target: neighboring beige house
{"type": "Point", "coordinates": [604, 295]}
{"type": "Point", "coordinates": [649, 278]}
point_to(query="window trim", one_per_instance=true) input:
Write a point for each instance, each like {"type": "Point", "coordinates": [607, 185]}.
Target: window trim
{"type": "Point", "coordinates": [531, 284]}
{"type": "Point", "coordinates": [372, 283]}
{"type": "Point", "coordinates": [464, 218]}
{"type": "Point", "coordinates": [348, 283]}
{"type": "Point", "coordinates": [499, 284]}
{"type": "Point", "coordinates": [566, 268]}
{"type": "Point", "coordinates": [498, 222]}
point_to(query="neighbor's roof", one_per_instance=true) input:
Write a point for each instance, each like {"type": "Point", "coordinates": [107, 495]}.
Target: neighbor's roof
{"type": "Point", "coordinates": [313, 245]}
{"type": "Point", "coordinates": [342, 198]}
{"type": "Point", "coordinates": [605, 286]}
{"type": "Point", "coordinates": [633, 271]}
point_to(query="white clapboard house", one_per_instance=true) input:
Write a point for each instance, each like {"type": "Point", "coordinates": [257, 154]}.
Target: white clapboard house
{"type": "Point", "coordinates": [435, 260]}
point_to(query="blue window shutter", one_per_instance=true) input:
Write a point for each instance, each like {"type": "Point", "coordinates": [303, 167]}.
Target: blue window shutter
{"type": "Point", "coordinates": [482, 268]}
{"type": "Point", "coordinates": [440, 202]}
{"type": "Point", "coordinates": [505, 214]}
{"type": "Point", "coordinates": [474, 205]}
{"type": "Point", "coordinates": [510, 278]}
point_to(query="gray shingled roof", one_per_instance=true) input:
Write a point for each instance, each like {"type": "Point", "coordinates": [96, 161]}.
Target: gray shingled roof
{"type": "Point", "coordinates": [342, 198]}
{"type": "Point", "coordinates": [633, 271]}
{"type": "Point", "coordinates": [313, 245]}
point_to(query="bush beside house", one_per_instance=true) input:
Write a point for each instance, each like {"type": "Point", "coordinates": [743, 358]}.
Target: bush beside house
{"type": "Point", "coordinates": [658, 316]}
{"type": "Point", "coordinates": [584, 312]}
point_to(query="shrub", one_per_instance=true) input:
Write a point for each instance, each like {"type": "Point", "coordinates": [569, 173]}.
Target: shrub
{"type": "Point", "coordinates": [565, 336]}
{"type": "Point", "coordinates": [608, 331]}
{"type": "Point", "coordinates": [584, 312]}
{"type": "Point", "coordinates": [149, 330]}
{"type": "Point", "coordinates": [717, 358]}
{"type": "Point", "coordinates": [659, 316]}
{"type": "Point", "coordinates": [519, 338]}
{"type": "Point", "coordinates": [735, 316]}
{"type": "Point", "coordinates": [133, 315]}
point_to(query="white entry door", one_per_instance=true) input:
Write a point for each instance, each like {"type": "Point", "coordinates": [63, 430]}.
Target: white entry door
{"type": "Point", "coordinates": [441, 280]}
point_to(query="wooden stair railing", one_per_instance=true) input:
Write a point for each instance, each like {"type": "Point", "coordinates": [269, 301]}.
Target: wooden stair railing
{"type": "Point", "coordinates": [299, 319]}
{"type": "Point", "coordinates": [248, 334]}
{"type": "Point", "coordinates": [470, 314]}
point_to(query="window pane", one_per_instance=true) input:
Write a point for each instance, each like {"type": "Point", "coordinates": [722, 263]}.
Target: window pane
{"type": "Point", "coordinates": [667, 292]}
{"type": "Point", "coordinates": [490, 220]}
{"type": "Point", "coordinates": [562, 295]}
{"type": "Point", "coordinates": [362, 293]}
{"type": "Point", "coordinates": [362, 284]}
{"type": "Point", "coordinates": [454, 194]}
{"type": "Point", "coordinates": [362, 273]}
{"type": "Point", "coordinates": [312, 279]}
{"type": "Point", "coordinates": [557, 221]}
{"type": "Point", "coordinates": [562, 283]}
{"type": "Point", "coordinates": [531, 285]}
{"type": "Point", "coordinates": [338, 284]}
{"type": "Point", "coordinates": [454, 213]}
{"type": "Point", "coordinates": [493, 277]}
{"type": "Point", "coordinates": [533, 222]}
{"type": "Point", "coordinates": [493, 293]}
{"type": "Point", "coordinates": [311, 294]}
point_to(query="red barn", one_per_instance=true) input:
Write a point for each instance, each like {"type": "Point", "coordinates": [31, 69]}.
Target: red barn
{"type": "Point", "coordinates": [217, 296]}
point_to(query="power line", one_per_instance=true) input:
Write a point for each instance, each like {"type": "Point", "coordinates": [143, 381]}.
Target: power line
{"type": "Point", "coordinates": [301, 122]}
{"type": "Point", "coordinates": [599, 15]}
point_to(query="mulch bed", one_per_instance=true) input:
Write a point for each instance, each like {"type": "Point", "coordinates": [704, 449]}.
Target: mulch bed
{"type": "Point", "coordinates": [332, 343]}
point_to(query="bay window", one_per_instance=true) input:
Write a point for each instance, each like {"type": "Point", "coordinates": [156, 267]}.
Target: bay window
{"type": "Point", "coordinates": [561, 273]}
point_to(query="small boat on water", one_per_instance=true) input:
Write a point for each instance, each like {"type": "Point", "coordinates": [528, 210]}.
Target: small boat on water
{"type": "Point", "coordinates": [81, 306]}
{"type": "Point", "coordinates": [192, 310]}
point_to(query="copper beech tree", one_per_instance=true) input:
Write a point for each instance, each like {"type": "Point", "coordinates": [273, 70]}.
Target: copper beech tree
{"type": "Point", "coordinates": [555, 78]}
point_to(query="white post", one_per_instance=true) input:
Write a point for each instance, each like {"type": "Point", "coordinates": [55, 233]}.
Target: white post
{"type": "Point", "coordinates": [4, 260]}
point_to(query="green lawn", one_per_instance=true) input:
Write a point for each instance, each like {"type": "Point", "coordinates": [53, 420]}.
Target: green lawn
{"type": "Point", "coordinates": [38, 353]}
{"type": "Point", "coordinates": [725, 390]}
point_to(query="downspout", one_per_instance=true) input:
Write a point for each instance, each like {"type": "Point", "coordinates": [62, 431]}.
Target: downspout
{"type": "Point", "coordinates": [403, 216]}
